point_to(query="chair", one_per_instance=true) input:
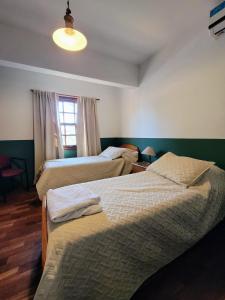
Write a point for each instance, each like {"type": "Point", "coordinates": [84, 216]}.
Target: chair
{"type": "Point", "coordinates": [10, 168]}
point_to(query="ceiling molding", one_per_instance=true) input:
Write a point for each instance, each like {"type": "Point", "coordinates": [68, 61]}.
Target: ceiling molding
{"type": "Point", "coordinates": [14, 65]}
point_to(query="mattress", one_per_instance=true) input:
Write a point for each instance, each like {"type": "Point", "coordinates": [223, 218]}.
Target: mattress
{"type": "Point", "coordinates": [147, 221]}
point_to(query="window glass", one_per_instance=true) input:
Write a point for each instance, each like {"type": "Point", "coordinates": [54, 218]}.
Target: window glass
{"type": "Point", "coordinates": [69, 107]}
{"type": "Point", "coordinates": [60, 106]}
{"type": "Point", "coordinates": [70, 130]}
{"type": "Point", "coordinates": [70, 140]}
{"type": "Point", "coordinates": [68, 120]}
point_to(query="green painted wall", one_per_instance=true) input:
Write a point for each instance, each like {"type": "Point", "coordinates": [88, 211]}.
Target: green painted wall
{"type": "Point", "coordinates": [22, 149]}
{"type": "Point", "coordinates": [70, 153]}
{"type": "Point", "coordinates": [106, 142]}
{"type": "Point", "coordinates": [207, 149]}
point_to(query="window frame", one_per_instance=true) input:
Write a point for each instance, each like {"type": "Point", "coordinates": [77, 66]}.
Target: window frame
{"type": "Point", "coordinates": [73, 99]}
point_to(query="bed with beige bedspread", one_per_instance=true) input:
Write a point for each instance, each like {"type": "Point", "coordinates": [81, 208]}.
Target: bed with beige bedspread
{"type": "Point", "coordinates": [147, 221]}
{"type": "Point", "coordinates": [62, 172]}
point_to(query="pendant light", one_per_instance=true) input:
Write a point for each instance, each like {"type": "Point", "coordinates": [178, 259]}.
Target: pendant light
{"type": "Point", "coordinates": [68, 38]}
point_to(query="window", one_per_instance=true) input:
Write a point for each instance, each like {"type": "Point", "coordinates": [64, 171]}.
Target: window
{"type": "Point", "coordinates": [68, 120]}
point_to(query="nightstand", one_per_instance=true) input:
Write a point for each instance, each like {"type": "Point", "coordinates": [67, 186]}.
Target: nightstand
{"type": "Point", "coordinates": [139, 166]}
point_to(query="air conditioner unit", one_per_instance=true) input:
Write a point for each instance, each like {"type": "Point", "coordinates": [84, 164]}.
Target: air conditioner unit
{"type": "Point", "coordinates": [217, 20]}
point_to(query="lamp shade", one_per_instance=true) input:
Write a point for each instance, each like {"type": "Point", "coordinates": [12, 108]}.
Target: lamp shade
{"type": "Point", "coordinates": [148, 151]}
{"type": "Point", "coordinates": [69, 39]}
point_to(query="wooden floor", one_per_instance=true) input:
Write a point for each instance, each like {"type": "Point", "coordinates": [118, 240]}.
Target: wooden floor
{"type": "Point", "coordinates": [199, 274]}
{"type": "Point", "coordinates": [20, 246]}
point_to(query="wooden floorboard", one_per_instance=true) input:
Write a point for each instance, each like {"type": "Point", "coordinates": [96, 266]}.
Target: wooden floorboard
{"type": "Point", "coordinates": [20, 246]}
{"type": "Point", "coordinates": [199, 274]}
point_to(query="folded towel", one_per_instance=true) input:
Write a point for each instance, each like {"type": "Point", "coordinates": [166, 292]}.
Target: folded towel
{"type": "Point", "coordinates": [66, 204]}
{"type": "Point", "coordinates": [90, 210]}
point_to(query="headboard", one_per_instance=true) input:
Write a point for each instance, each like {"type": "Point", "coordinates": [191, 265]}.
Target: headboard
{"type": "Point", "coordinates": [131, 147]}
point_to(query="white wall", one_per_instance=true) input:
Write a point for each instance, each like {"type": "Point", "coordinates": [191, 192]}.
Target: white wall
{"type": "Point", "coordinates": [16, 121]}
{"type": "Point", "coordinates": [181, 93]}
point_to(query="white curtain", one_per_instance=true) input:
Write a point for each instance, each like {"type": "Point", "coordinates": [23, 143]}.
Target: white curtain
{"type": "Point", "coordinates": [47, 137]}
{"type": "Point", "coordinates": [88, 140]}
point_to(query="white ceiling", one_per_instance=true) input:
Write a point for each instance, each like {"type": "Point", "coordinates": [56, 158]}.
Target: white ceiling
{"type": "Point", "coordinates": [130, 30]}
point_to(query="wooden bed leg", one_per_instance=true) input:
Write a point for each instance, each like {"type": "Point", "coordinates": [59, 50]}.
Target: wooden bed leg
{"type": "Point", "coordinates": [44, 232]}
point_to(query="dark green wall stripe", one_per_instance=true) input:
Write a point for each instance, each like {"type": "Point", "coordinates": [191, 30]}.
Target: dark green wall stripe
{"type": "Point", "coordinates": [206, 149]}
{"type": "Point", "coordinates": [106, 142]}
{"type": "Point", "coordinates": [22, 149]}
{"type": "Point", "coordinates": [70, 153]}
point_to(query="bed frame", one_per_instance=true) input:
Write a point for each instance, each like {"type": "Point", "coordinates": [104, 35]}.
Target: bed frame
{"type": "Point", "coordinates": [44, 230]}
{"type": "Point", "coordinates": [130, 146]}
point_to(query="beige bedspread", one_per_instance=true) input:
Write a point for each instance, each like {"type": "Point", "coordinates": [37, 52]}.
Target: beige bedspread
{"type": "Point", "coordinates": [147, 221]}
{"type": "Point", "coordinates": [62, 172]}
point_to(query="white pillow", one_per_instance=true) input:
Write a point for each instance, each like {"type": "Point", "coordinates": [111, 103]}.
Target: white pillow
{"type": "Point", "coordinates": [112, 152]}
{"type": "Point", "coordinates": [180, 169]}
